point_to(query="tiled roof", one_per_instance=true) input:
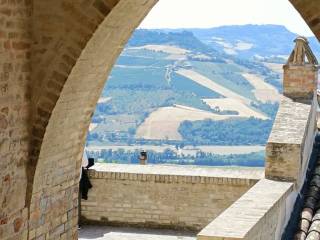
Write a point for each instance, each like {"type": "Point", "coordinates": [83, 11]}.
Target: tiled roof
{"type": "Point", "coordinates": [309, 225]}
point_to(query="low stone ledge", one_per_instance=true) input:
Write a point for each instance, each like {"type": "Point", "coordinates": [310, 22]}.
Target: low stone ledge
{"type": "Point", "coordinates": [260, 214]}
{"type": "Point", "coordinates": [177, 174]}
{"type": "Point", "coordinates": [163, 196]}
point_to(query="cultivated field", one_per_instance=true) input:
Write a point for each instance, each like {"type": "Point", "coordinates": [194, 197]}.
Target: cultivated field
{"type": "Point", "coordinates": [208, 83]}
{"type": "Point", "coordinates": [241, 46]}
{"type": "Point", "coordinates": [263, 92]}
{"type": "Point", "coordinates": [164, 122]}
{"type": "Point", "coordinates": [276, 67]}
{"type": "Point", "coordinates": [232, 49]}
{"type": "Point", "coordinates": [177, 57]}
{"type": "Point", "coordinates": [234, 105]}
{"type": "Point", "coordinates": [227, 47]}
{"type": "Point", "coordinates": [164, 48]}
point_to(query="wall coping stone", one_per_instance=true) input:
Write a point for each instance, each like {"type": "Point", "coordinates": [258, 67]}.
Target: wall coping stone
{"type": "Point", "coordinates": [290, 143]}
{"type": "Point", "coordinates": [174, 173]}
{"type": "Point", "coordinates": [291, 122]}
{"type": "Point", "coordinates": [240, 219]}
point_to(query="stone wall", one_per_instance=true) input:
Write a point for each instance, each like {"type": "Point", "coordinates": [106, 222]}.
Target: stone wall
{"type": "Point", "coordinates": [163, 196]}
{"type": "Point", "coordinates": [15, 50]}
{"type": "Point", "coordinates": [291, 140]}
{"type": "Point", "coordinates": [55, 58]}
{"type": "Point", "coordinates": [290, 143]}
{"type": "Point", "coordinates": [260, 214]}
{"type": "Point", "coordinates": [87, 39]}
{"type": "Point", "coordinates": [264, 211]}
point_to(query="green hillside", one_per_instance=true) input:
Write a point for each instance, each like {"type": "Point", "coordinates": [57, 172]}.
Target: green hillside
{"type": "Point", "coordinates": [160, 71]}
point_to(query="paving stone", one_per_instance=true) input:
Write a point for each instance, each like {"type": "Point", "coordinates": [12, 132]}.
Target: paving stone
{"type": "Point", "coordinates": [111, 233]}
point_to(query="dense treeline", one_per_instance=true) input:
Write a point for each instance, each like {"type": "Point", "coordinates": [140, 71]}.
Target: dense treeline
{"type": "Point", "coordinates": [237, 131]}
{"type": "Point", "coordinates": [227, 132]}
{"type": "Point", "coordinates": [171, 157]}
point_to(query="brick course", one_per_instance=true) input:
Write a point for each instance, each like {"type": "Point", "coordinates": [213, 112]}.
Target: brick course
{"type": "Point", "coordinates": [45, 108]}
{"type": "Point", "coordinates": [163, 196]}
{"type": "Point", "coordinates": [55, 57]}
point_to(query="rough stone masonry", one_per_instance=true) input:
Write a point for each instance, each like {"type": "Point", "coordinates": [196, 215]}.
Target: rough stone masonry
{"type": "Point", "coordinates": [54, 58]}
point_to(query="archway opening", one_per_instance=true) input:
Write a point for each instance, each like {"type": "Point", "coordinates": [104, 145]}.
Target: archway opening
{"type": "Point", "coordinates": [195, 96]}
{"type": "Point", "coordinates": [54, 67]}
{"type": "Point", "coordinates": [173, 92]}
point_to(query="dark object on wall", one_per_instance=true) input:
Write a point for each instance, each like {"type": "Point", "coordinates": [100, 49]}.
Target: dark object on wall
{"type": "Point", "coordinates": [143, 157]}
{"type": "Point", "coordinates": [85, 184]}
{"type": "Point", "coordinates": [90, 163]}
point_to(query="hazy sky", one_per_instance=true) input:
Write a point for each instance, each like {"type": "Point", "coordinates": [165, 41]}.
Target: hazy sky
{"type": "Point", "coordinates": [211, 13]}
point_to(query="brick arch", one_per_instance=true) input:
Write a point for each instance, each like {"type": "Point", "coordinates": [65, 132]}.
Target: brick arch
{"type": "Point", "coordinates": [310, 12]}
{"type": "Point", "coordinates": [60, 31]}
{"type": "Point", "coordinates": [55, 56]}
{"type": "Point", "coordinates": [62, 113]}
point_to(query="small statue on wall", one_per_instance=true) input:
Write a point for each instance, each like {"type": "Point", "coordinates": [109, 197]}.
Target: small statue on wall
{"type": "Point", "coordinates": [143, 157]}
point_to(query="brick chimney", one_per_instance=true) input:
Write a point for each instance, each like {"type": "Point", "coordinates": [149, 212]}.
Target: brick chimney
{"type": "Point", "coordinates": [300, 72]}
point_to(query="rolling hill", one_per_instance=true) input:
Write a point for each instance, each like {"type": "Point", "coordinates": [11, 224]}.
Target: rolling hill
{"type": "Point", "coordinates": [159, 71]}
{"type": "Point", "coordinates": [272, 42]}
{"type": "Point", "coordinates": [218, 86]}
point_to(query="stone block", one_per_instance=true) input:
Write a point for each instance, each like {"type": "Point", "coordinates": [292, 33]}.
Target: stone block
{"type": "Point", "coordinates": [290, 142]}
{"type": "Point", "coordinates": [300, 82]}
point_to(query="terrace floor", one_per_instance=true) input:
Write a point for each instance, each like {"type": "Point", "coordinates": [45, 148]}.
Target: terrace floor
{"type": "Point", "coordinates": [118, 233]}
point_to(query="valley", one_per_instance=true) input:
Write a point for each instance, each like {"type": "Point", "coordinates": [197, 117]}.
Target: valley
{"type": "Point", "coordinates": [205, 88]}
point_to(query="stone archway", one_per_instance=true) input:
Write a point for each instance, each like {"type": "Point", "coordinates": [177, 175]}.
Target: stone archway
{"type": "Point", "coordinates": [55, 58]}
{"type": "Point", "coordinates": [309, 11]}
{"type": "Point", "coordinates": [55, 184]}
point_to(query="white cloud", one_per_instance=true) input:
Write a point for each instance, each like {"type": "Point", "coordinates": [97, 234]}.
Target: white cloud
{"type": "Point", "coordinates": [212, 13]}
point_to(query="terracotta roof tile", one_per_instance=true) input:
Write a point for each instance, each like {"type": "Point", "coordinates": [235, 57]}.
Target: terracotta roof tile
{"type": "Point", "coordinates": [307, 213]}
{"type": "Point", "coordinates": [309, 225]}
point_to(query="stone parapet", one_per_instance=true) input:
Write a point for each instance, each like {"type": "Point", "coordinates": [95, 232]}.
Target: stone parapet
{"type": "Point", "coordinates": [177, 173]}
{"type": "Point", "coordinates": [163, 195]}
{"type": "Point", "coordinates": [291, 140]}
{"type": "Point", "coordinates": [260, 214]}
{"type": "Point", "coordinates": [55, 58]}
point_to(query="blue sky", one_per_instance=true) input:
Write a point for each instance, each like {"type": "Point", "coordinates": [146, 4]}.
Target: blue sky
{"type": "Point", "coordinates": [212, 13]}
